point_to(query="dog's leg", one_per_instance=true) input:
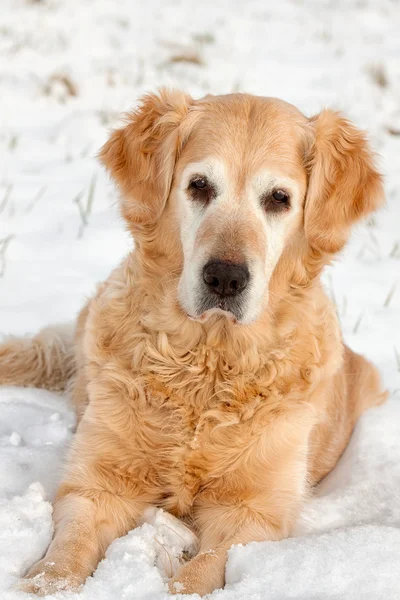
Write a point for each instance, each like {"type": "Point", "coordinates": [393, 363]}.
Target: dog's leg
{"type": "Point", "coordinates": [84, 527]}
{"type": "Point", "coordinates": [226, 525]}
{"type": "Point", "coordinates": [258, 501]}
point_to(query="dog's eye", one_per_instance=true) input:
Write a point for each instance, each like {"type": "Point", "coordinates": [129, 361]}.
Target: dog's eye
{"type": "Point", "coordinates": [277, 200]}
{"type": "Point", "coordinates": [199, 183]}
{"type": "Point", "coordinates": [280, 196]}
{"type": "Point", "coordinates": [201, 189]}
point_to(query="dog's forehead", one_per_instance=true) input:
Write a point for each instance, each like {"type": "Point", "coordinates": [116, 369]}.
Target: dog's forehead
{"type": "Point", "coordinates": [249, 134]}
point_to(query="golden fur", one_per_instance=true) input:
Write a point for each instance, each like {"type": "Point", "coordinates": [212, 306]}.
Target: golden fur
{"type": "Point", "coordinates": [226, 424]}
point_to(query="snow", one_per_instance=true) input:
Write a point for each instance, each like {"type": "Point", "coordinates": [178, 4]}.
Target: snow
{"type": "Point", "coordinates": [67, 70]}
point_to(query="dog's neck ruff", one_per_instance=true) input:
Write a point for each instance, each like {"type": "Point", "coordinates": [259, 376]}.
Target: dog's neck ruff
{"type": "Point", "coordinates": [219, 357]}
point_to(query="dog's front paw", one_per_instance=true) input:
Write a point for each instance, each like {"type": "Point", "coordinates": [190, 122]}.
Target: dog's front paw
{"type": "Point", "coordinates": [202, 575]}
{"type": "Point", "coordinates": [46, 577]}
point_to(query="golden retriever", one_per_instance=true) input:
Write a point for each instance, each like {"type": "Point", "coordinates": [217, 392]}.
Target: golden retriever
{"type": "Point", "coordinates": [208, 372]}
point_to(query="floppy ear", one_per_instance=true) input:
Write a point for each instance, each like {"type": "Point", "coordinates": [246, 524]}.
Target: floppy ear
{"type": "Point", "coordinates": [344, 185]}
{"type": "Point", "coordinates": [141, 156]}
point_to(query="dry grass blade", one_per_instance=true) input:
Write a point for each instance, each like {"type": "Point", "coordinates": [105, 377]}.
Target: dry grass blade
{"type": "Point", "coordinates": [395, 251]}
{"type": "Point", "coordinates": [6, 197]}
{"type": "Point", "coordinates": [12, 144]}
{"type": "Point", "coordinates": [85, 210]}
{"type": "Point", "coordinates": [378, 75]}
{"type": "Point", "coordinates": [390, 294]}
{"type": "Point", "coordinates": [63, 80]}
{"type": "Point", "coordinates": [358, 323]}
{"type": "Point", "coordinates": [36, 199]}
{"type": "Point", "coordinates": [78, 201]}
{"type": "Point", "coordinates": [90, 199]}
{"type": "Point", "coordinates": [393, 130]}
{"type": "Point", "coordinates": [373, 238]}
{"type": "Point", "coordinates": [375, 243]}
{"type": "Point", "coordinates": [186, 57]}
{"type": "Point", "coordinates": [204, 38]}
{"type": "Point", "coordinates": [360, 253]}
{"type": "Point", "coordinates": [397, 357]}
{"type": "Point", "coordinates": [4, 243]}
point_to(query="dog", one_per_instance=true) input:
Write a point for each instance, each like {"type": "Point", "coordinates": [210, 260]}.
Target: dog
{"type": "Point", "coordinates": [208, 372]}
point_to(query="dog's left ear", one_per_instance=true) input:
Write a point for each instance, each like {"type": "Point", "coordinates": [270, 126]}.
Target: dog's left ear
{"type": "Point", "coordinates": [141, 156]}
{"type": "Point", "coordinates": [344, 184]}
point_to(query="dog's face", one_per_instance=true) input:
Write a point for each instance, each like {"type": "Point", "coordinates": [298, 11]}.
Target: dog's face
{"type": "Point", "coordinates": [235, 182]}
{"type": "Point", "coordinates": [239, 189]}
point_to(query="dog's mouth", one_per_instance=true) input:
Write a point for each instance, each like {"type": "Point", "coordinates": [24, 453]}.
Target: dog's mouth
{"type": "Point", "coordinates": [206, 315]}
{"type": "Point", "coordinates": [222, 307]}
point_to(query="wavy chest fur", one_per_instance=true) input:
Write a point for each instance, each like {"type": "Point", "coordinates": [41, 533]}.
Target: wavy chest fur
{"type": "Point", "coordinates": [189, 406]}
{"type": "Point", "coordinates": [199, 436]}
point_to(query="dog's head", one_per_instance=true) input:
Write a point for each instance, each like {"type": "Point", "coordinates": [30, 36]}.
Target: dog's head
{"type": "Point", "coordinates": [232, 186]}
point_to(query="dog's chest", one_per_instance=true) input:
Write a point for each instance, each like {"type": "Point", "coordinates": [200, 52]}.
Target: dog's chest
{"type": "Point", "coordinates": [185, 454]}
{"type": "Point", "coordinates": [177, 452]}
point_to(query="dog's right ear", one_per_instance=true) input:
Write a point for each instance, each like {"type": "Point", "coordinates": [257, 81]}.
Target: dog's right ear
{"type": "Point", "coordinates": [141, 156]}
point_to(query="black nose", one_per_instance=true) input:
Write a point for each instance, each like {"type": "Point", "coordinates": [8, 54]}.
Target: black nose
{"type": "Point", "coordinates": [225, 279]}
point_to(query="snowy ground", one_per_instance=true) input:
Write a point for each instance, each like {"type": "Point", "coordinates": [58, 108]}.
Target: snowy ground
{"type": "Point", "coordinates": [67, 69]}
